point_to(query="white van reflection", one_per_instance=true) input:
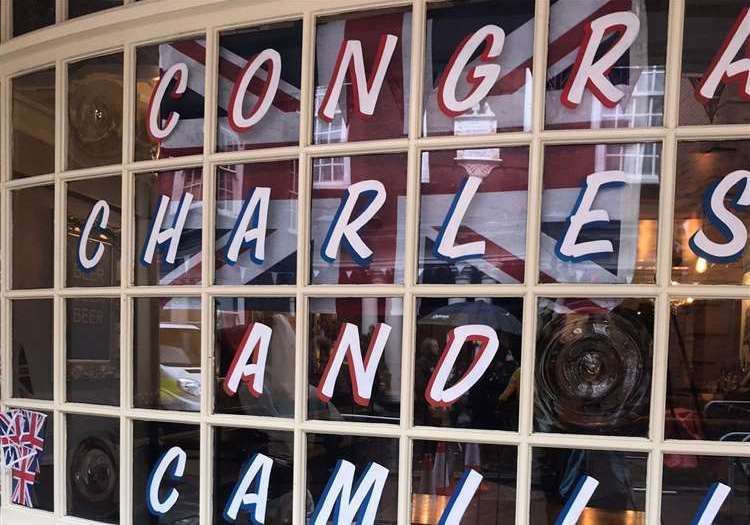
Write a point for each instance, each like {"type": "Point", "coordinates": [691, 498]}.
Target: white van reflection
{"type": "Point", "coordinates": [179, 366]}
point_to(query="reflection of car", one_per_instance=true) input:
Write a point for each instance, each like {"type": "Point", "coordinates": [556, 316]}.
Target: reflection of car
{"type": "Point", "coordinates": [179, 366]}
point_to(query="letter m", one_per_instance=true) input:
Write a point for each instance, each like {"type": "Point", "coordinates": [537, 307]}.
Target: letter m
{"type": "Point", "coordinates": [338, 505]}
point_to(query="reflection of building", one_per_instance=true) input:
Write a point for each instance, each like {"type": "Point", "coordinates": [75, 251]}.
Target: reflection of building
{"type": "Point", "coordinates": [334, 172]}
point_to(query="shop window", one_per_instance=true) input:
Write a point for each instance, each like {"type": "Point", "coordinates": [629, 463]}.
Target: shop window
{"type": "Point", "coordinates": [32, 348]}
{"type": "Point", "coordinates": [33, 112]}
{"type": "Point", "coordinates": [78, 8]}
{"type": "Point", "coordinates": [29, 15]}
{"type": "Point", "coordinates": [33, 237]}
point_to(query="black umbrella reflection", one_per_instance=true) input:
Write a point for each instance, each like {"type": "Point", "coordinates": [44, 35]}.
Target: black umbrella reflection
{"type": "Point", "coordinates": [474, 312]}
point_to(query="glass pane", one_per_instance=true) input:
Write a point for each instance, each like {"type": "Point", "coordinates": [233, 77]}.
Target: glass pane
{"type": "Point", "coordinates": [342, 332]}
{"type": "Point", "coordinates": [257, 127]}
{"type": "Point", "coordinates": [239, 320]}
{"type": "Point", "coordinates": [167, 353]}
{"type": "Point", "coordinates": [325, 451]}
{"type": "Point", "coordinates": [490, 400]}
{"type": "Point", "coordinates": [708, 171]}
{"type": "Point", "coordinates": [583, 36]}
{"type": "Point", "coordinates": [29, 15]}
{"type": "Point", "coordinates": [620, 498]}
{"type": "Point", "coordinates": [95, 112]}
{"type": "Point", "coordinates": [262, 195]}
{"type": "Point", "coordinates": [32, 325]}
{"type": "Point", "coordinates": [350, 106]}
{"type": "Point", "coordinates": [33, 140]}
{"type": "Point", "coordinates": [33, 479]}
{"type": "Point", "coordinates": [472, 222]}
{"type": "Point", "coordinates": [449, 107]}
{"type": "Point", "coordinates": [687, 480]}
{"type": "Point", "coordinates": [437, 470]}
{"type": "Point", "coordinates": [593, 366]}
{"type": "Point", "coordinates": [93, 475]}
{"type": "Point", "coordinates": [708, 386]}
{"type": "Point", "coordinates": [92, 334]}
{"type": "Point", "coordinates": [348, 190]}
{"type": "Point", "coordinates": [33, 237]}
{"type": "Point", "coordinates": [85, 7]}
{"type": "Point", "coordinates": [82, 199]}
{"type": "Point", "coordinates": [177, 260]}
{"type": "Point", "coordinates": [721, 102]}
{"type": "Point", "coordinates": [233, 450]}
{"type": "Point", "coordinates": [177, 126]}
{"type": "Point", "coordinates": [600, 207]}
{"type": "Point", "coordinates": [151, 441]}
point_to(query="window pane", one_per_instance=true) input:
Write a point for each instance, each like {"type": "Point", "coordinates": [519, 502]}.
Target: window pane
{"type": "Point", "coordinates": [167, 353]}
{"type": "Point", "coordinates": [236, 321]}
{"type": "Point", "coordinates": [634, 80]}
{"type": "Point", "coordinates": [38, 476]}
{"type": "Point", "coordinates": [152, 64]}
{"type": "Point", "coordinates": [333, 258]}
{"type": "Point", "coordinates": [33, 140]}
{"type": "Point", "coordinates": [84, 7]}
{"type": "Point", "coordinates": [93, 475]}
{"type": "Point", "coordinates": [714, 23]}
{"type": "Point", "coordinates": [701, 166]}
{"type": "Point", "coordinates": [337, 398]}
{"type": "Point", "coordinates": [507, 105]}
{"type": "Point", "coordinates": [32, 325]}
{"type": "Point", "coordinates": [492, 401]}
{"type": "Point", "coordinates": [625, 232]}
{"type": "Point", "coordinates": [341, 115]}
{"type": "Point", "coordinates": [324, 451]}
{"type": "Point", "coordinates": [280, 124]}
{"type": "Point", "coordinates": [494, 183]}
{"type": "Point", "coordinates": [82, 197]}
{"type": "Point", "coordinates": [437, 467]}
{"type": "Point", "coordinates": [33, 237]}
{"type": "Point", "coordinates": [272, 258]}
{"type": "Point", "coordinates": [95, 112]}
{"type": "Point", "coordinates": [593, 366]}
{"type": "Point", "coordinates": [709, 383]}
{"type": "Point", "coordinates": [151, 440]}
{"type": "Point", "coordinates": [29, 15]}
{"type": "Point", "coordinates": [93, 351]}
{"type": "Point", "coordinates": [619, 499]}
{"type": "Point", "coordinates": [687, 479]}
{"type": "Point", "coordinates": [177, 187]}
{"type": "Point", "coordinates": [233, 449]}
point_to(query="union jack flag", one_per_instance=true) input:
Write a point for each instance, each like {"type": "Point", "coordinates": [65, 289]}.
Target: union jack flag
{"type": "Point", "coordinates": [10, 436]}
{"type": "Point", "coordinates": [23, 478]}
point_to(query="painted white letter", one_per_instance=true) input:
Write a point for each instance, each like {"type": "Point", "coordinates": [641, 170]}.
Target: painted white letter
{"type": "Point", "coordinates": [445, 244]}
{"type": "Point", "coordinates": [577, 501]}
{"type": "Point", "coordinates": [155, 506]}
{"type": "Point", "coordinates": [257, 473]}
{"type": "Point", "coordinates": [237, 120]}
{"type": "Point", "coordinates": [254, 345]}
{"type": "Point", "coordinates": [179, 72]}
{"type": "Point", "coordinates": [254, 214]}
{"type": "Point", "coordinates": [337, 499]}
{"type": "Point", "coordinates": [711, 504]}
{"type": "Point", "coordinates": [366, 90]}
{"type": "Point", "coordinates": [725, 221]}
{"type": "Point", "coordinates": [459, 502]}
{"type": "Point", "coordinates": [158, 236]}
{"type": "Point", "coordinates": [481, 77]}
{"type": "Point", "coordinates": [83, 259]}
{"type": "Point", "coordinates": [592, 73]}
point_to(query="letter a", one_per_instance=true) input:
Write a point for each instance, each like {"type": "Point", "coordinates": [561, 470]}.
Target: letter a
{"type": "Point", "coordinates": [158, 236]}
{"type": "Point", "coordinates": [254, 214]}
{"type": "Point", "coordinates": [254, 345]}
{"type": "Point", "coordinates": [338, 502]}
{"type": "Point", "coordinates": [255, 476]}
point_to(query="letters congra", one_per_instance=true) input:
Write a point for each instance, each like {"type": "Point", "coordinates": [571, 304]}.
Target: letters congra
{"type": "Point", "coordinates": [350, 496]}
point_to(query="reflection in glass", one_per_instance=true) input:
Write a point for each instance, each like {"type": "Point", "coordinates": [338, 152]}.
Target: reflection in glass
{"type": "Point", "coordinates": [437, 467]}
{"type": "Point", "coordinates": [632, 208]}
{"type": "Point", "coordinates": [92, 332]}
{"type": "Point", "coordinates": [638, 74]}
{"type": "Point", "coordinates": [32, 332]}
{"type": "Point", "coordinates": [280, 125]}
{"type": "Point", "coordinates": [78, 8]}
{"type": "Point", "coordinates": [150, 188]}
{"type": "Point", "coordinates": [233, 449]}
{"type": "Point", "coordinates": [43, 488]}
{"type": "Point", "coordinates": [235, 316]}
{"type": "Point", "coordinates": [346, 123]}
{"type": "Point", "coordinates": [714, 22]}
{"type": "Point", "coordinates": [708, 382]}
{"type": "Point", "coordinates": [95, 112]}
{"type": "Point", "coordinates": [620, 498]}
{"type": "Point", "coordinates": [593, 366]}
{"type": "Point", "coordinates": [29, 15]}
{"type": "Point", "coordinates": [383, 234]}
{"type": "Point", "coordinates": [151, 63]}
{"type": "Point", "coordinates": [93, 475]}
{"type": "Point", "coordinates": [687, 479]}
{"type": "Point", "coordinates": [33, 124]}
{"type": "Point", "coordinates": [324, 451]}
{"type": "Point", "coordinates": [82, 196]}
{"type": "Point", "coordinates": [167, 353]}
{"type": "Point", "coordinates": [327, 318]}
{"type": "Point", "coordinates": [33, 237]}
{"type": "Point", "coordinates": [151, 440]}
{"type": "Point", "coordinates": [235, 185]}
{"type": "Point", "coordinates": [700, 166]}
{"type": "Point", "coordinates": [492, 403]}
{"type": "Point", "coordinates": [496, 215]}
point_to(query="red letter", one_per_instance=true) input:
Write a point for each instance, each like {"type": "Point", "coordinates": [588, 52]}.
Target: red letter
{"type": "Point", "coordinates": [237, 120]}
{"type": "Point", "coordinates": [179, 72]}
